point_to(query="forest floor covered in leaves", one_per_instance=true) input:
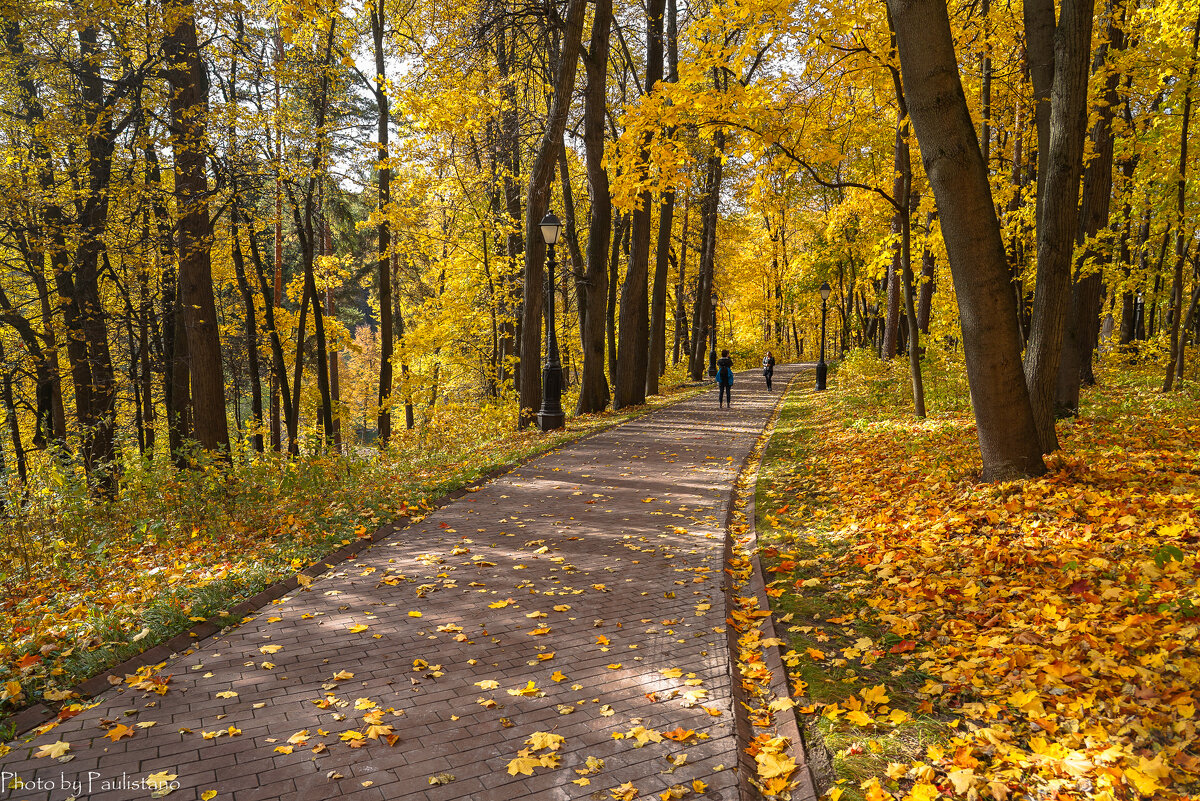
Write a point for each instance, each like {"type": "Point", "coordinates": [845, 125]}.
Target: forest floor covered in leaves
{"type": "Point", "coordinates": [951, 638]}
{"type": "Point", "coordinates": [85, 584]}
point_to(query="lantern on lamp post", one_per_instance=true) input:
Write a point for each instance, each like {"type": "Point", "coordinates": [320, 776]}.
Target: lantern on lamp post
{"type": "Point", "coordinates": [551, 416]}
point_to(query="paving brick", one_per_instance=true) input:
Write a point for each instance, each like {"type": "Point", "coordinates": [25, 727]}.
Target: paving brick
{"type": "Point", "coordinates": [623, 527]}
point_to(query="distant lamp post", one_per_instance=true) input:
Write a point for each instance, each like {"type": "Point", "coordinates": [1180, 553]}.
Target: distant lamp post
{"type": "Point", "coordinates": [712, 353]}
{"type": "Point", "coordinates": [551, 416]}
{"type": "Point", "coordinates": [822, 368]}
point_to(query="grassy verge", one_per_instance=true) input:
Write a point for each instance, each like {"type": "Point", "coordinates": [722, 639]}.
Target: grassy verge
{"type": "Point", "coordinates": [86, 585]}
{"type": "Point", "coordinates": [954, 639]}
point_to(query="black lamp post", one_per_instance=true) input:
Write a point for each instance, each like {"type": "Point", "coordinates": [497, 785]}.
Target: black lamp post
{"type": "Point", "coordinates": [551, 416]}
{"type": "Point", "coordinates": [822, 368]}
{"type": "Point", "coordinates": [712, 353]}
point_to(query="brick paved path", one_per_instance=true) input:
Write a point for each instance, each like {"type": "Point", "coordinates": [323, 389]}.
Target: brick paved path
{"type": "Point", "coordinates": [590, 579]}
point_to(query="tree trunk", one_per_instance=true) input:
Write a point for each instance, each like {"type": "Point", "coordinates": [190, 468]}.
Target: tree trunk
{"type": "Point", "coordinates": [406, 384]}
{"type": "Point", "coordinates": [1040, 59]}
{"type": "Point", "coordinates": [1084, 307]}
{"type": "Point", "coordinates": [928, 272]}
{"type": "Point", "coordinates": [950, 151]}
{"type": "Point", "coordinates": [1058, 219]}
{"type": "Point", "coordinates": [510, 160]}
{"type": "Point", "coordinates": [666, 218]}
{"type": "Point", "coordinates": [1182, 242]}
{"type": "Point", "coordinates": [278, 364]}
{"type": "Point", "coordinates": [574, 263]}
{"type": "Point", "coordinates": [334, 356]}
{"type": "Point", "coordinates": [709, 213]}
{"type": "Point", "coordinates": [633, 339]}
{"type": "Point", "coordinates": [682, 345]}
{"type": "Point", "coordinates": [251, 323]}
{"type": "Point", "coordinates": [892, 323]}
{"type": "Point", "coordinates": [537, 201]}
{"type": "Point", "coordinates": [99, 447]}
{"type": "Point", "coordinates": [620, 233]}
{"type": "Point", "coordinates": [239, 264]}
{"type": "Point", "coordinates": [593, 288]}
{"type": "Point", "coordinates": [189, 119]}
{"type": "Point", "coordinates": [14, 429]}
{"type": "Point", "coordinates": [383, 230]}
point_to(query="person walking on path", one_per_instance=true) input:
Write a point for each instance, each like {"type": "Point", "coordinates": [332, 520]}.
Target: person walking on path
{"type": "Point", "coordinates": [768, 365]}
{"type": "Point", "coordinates": [724, 380]}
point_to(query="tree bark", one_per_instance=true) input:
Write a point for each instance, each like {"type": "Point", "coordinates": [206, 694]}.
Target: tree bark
{"type": "Point", "coordinates": [1182, 241]}
{"type": "Point", "coordinates": [702, 310]}
{"type": "Point", "coordinates": [99, 419]}
{"type": "Point", "coordinates": [620, 234]}
{"type": "Point", "coordinates": [383, 231]}
{"type": "Point", "coordinates": [633, 338]}
{"type": "Point", "coordinates": [928, 273]}
{"type": "Point", "coordinates": [1084, 306]}
{"type": "Point", "coordinates": [593, 288]}
{"type": "Point", "coordinates": [189, 119]}
{"type": "Point", "coordinates": [950, 151]}
{"type": "Point", "coordinates": [537, 200]}
{"type": "Point", "coordinates": [278, 365]}
{"type": "Point", "coordinates": [666, 219]}
{"type": "Point", "coordinates": [251, 323]}
{"type": "Point", "coordinates": [1039, 57]}
{"type": "Point", "coordinates": [334, 356]}
{"type": "Point", "coordinates": [1058, 220]}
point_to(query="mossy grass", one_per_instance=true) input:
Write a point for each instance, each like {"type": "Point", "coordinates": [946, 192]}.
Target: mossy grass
{"type": "Point", "coordinates": [800, 547]}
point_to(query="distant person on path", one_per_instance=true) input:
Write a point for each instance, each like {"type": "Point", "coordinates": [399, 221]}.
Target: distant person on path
{"type": "Point", "coordinates": [768, 365]}
{"type": "Point", "coordinates": [724, 380]}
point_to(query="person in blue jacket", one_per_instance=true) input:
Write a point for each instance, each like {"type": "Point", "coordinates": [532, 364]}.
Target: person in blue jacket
{"type": "Point", "coordinates": [724, 380]}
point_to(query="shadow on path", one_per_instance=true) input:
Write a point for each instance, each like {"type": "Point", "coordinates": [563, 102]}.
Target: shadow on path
{"type": "Point", "coordinates": [589, 581]}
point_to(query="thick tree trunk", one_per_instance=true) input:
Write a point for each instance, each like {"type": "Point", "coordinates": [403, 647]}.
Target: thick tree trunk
{"type": "Point", "coordinates": [1058, 220]}
{"type": "Point", "coordinates": [536, 203]}
{"type": "Point", "coordinates": [1040, 60]}
{"type": "Point", "coordinates": [950, 150]}
{"type": "Point", "coordinates": [1084, 308]}
{"type": "Point", "coordinates": [99, 447]}
{"type": "Point", "coordinates": [633, 338]}
{"type": "Point", "coordinates": [593, 288]}
{"type": "Point", "coordinates": [666, 220]}
{"type": "Point", "coordinates": [189, 119]}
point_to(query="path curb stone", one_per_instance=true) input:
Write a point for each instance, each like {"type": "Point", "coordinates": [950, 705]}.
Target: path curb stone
{"type": "Point", "coordinates": [786, 723]}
